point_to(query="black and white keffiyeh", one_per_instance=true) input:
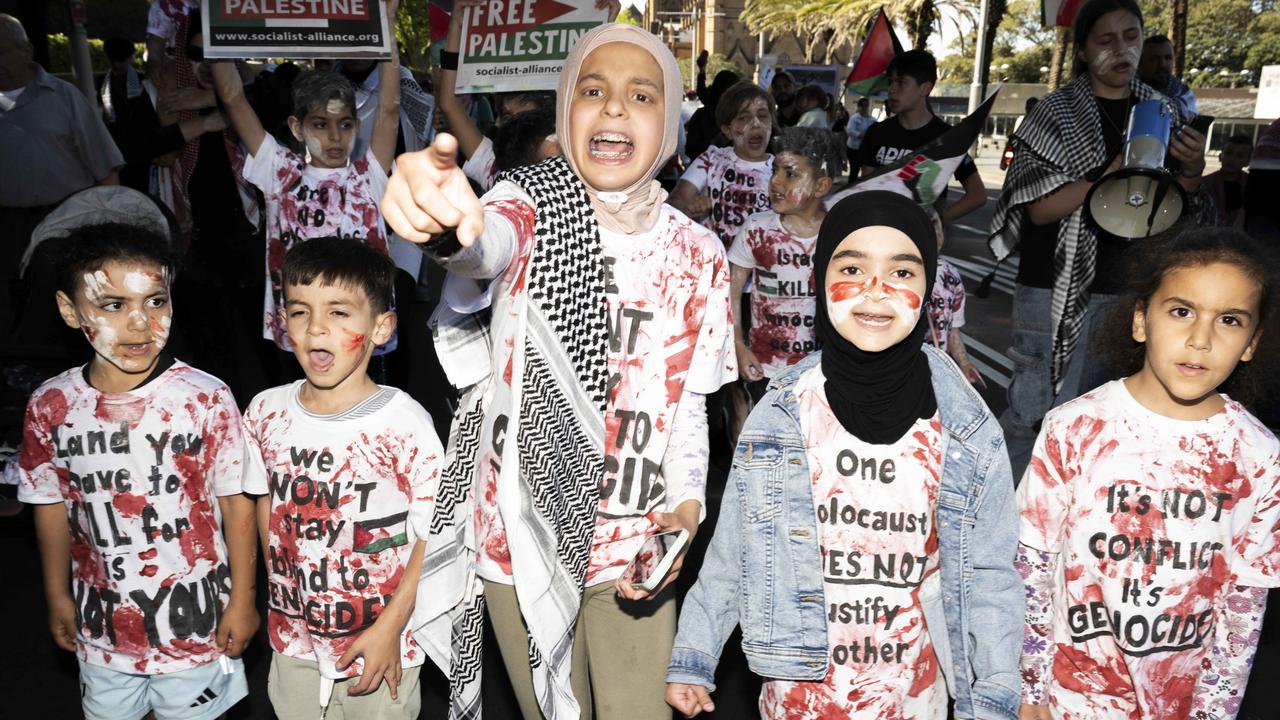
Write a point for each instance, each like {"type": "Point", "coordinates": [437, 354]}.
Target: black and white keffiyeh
{"type": "Point", "coordinates": [1060, 142]}
{"type": "Point", "coordinates": [558, 396]}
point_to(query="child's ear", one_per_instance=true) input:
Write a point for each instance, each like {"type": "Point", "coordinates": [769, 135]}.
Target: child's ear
{"type": "Point", "coordinates": [295, 127]}
{"type": "Point", "coordinates": [67, 309]}
{"type": "Point", "coordinates": [822, 187]}
{"type": "Point", "coordinates": [385, 326]}
{"type": "Point", "coordinates": [1139, 328]}
{"type": "Point", "coordinates": [1253, 347]}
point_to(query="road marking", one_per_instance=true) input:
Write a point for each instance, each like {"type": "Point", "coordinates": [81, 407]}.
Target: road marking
{"type": "Point", "coordinates": [978, 273]}
{"type": "Point", "coordinates": [989, 373]}
{"type": "Point", "coordinates": [988, 351]}
{"type": "Point", "coordinates": [970, 229]}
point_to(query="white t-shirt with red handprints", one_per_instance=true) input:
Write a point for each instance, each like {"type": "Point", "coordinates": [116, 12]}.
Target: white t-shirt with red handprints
{"type": "Point", "coordinates": [303, 202]}
{"type": "Point", "coordinates": [875, 507]}
{"type": "Point", "coordinates": [140, 473]}
{"type": "Point", "coordinates": [349, 498]}
{"type": "Point", "coordinates": [667, 289]}
{"type": "Point", "coordinates": [946, 304]}
{"type": "Point", "coordinates": [738, 188]}
{"type": "Point", "coordinates": [1152, 519]}
{"type": "Point", "coordinates": [482, 166]}
{"type": "Point", "coordinates": [783, 297]}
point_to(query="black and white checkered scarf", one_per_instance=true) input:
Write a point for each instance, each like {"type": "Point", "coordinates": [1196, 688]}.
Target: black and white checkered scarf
{"type": "Point", "coordinates": [1060, 142]}
{"type": "Point", "coordinates": [559, 383]}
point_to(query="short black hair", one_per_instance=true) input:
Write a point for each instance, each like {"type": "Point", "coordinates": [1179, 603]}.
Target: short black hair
{"type": "Point", "coordinates": [864, 100]}
{"type": "Point", "coordinates": [540, 99]}
{"type": "Point", "coordinates": [740, 96]}
{"type": "Point", "coordinates": [517, 142]}
{"type": "Point", "coordinates": [919, 65]}
{"type": "Point", "coordinates": [1148, 263]}
{"type": "Point", "coordinates": [118, 49]}
{"type": "Point", "coordinates": [1090, 13]}
{"type": "Point", "coordinates": [820, 148]}
{"type": "Point", "coordinates": [1156, 39]}
{"type": "Point", "coordinates": [342, 261]}
{"type": "Point", "coordinates": [814, 93]}
{"type": "Point", "coordinates": [86, 249]}
{"type": "Point", "coordinates": [314, 89]}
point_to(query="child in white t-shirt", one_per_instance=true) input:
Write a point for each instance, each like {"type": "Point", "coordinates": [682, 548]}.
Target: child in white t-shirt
{"type": "Point", "coordinates": [583, 429]}
{"type": "Point", "coordinates": [774, 250]}
{"type": "Point", "coordinates": [345, 473]}
{"type": "Point", "coordinates": [133, 465]}
{"type": "Point", "coordinates": [726, 185]}
{"type": "Point", "coordinates": [946, 310]}
{"type": "Point", "coordinates": [321, 191]}
{"type": "Point", "coordinates": [1151, 508]}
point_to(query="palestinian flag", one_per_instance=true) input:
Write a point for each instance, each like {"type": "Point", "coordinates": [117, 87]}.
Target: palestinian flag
{"type": "Point", "coordinates": [868, 76]}
{"type": "Point", "coordinates": [923, 175]}
{"type": "Point", "coordinates": [379, 534]}
{"type": "Point", "coordinates": [1059, 13]}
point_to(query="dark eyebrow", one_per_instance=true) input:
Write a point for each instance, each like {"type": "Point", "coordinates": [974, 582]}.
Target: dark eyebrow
{"type": "Point", "coordinates": [855, 254]}
{"type": "Point", "coordinates": [634, 81]}
{"type": "Point", "coordinates": [1193, 306]}
{"type": "Point", "coordinates": [908, 257]}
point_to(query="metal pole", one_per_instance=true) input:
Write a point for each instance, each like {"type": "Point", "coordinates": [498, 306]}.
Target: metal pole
{"type": "Point", "coordinates": [693, 58]}
{"type": "Point", "coordinates": [980, 59]}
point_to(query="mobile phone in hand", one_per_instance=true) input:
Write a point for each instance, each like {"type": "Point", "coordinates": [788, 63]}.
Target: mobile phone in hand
{"type": "Point", "coordinates": [652, 564]}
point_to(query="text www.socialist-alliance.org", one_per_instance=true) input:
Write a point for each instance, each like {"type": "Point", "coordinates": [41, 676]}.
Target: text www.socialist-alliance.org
{"type": "Point", "coordinates": [288, 35]}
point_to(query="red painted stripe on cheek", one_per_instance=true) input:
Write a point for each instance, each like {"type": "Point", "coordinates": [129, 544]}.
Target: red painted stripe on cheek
{"type": "Point", "coordinates": [911, 299]}
{"type": "Point", "coordinates": [846, 290]}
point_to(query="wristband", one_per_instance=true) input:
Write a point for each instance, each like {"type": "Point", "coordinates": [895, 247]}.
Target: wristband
{"type": "Point", "coordinates": [442, 246]}
{"type": "Point", "coordinates": [448, 60]}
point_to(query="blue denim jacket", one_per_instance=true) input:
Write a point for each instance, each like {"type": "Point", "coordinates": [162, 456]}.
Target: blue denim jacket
{"type": "Point", "coordinates": [763, 568]}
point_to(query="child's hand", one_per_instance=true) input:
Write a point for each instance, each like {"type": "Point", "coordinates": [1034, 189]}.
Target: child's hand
{"type": "Point", "coordinates": [380, 647]}
{"type": "Point", "coordinates": [748, 366]}
{"type": "Point", "coordinates": [699, 206]}
{"type": "Point", "coordinates": [685, 517]}
{"type": "Point", "coordinates": [1026, 712]}
{"type": "Point", "coordinates": [973, 376]}
{"type": "Point", "coordinates": [62, 622]}
{"type": "Point", "coordinates": [691, 699]}
{"type": "Point", "coordinates": [236, 627]}
{"type": "Point", "coordinates": [428, 194]}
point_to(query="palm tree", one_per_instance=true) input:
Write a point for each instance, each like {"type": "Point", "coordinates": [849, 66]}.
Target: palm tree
{"type": "Point", "coordinates": [825, 25]}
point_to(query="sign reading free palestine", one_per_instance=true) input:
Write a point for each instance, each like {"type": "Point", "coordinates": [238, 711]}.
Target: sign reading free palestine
{"type": "Point", "coordinates": [296, 28]}
{"type": "Point", "coordinates": [521, 44]}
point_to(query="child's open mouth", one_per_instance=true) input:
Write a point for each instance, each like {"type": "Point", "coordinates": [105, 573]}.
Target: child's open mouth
{"type": "Point", "coordinates": [873, 321]}
{"type": "Point", "coordinates": [136, 349]}
{"type": "Point", "coordinates": [1192, 369]}
{"type": "Point", "coordinates": [611, 147]}
{"type": "Point", "coordinates": [320, 360]}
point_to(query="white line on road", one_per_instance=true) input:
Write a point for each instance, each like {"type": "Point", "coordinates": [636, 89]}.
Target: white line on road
{"type": "Point", "coordinates": [977, 272]}
{"type": "Point", "coordinates": [989, 373]}
{"type": "Point", "coordinates": [988, 351]}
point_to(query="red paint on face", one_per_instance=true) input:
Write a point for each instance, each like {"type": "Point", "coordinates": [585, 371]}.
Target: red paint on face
{"type": "Point", "coordinates": [910, 299]}
{"type": "Point", "coordinates": [850, 289]}
{"type": "Point", "coordinates": [355, 341]}
{"type": "Point", "coordinates": [90, 331]}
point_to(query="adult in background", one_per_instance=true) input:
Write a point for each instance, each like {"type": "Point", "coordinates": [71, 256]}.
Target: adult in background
{"type": "Point", "coordinates": [783, 89]}
{"type": "Point", "coordinates": [702, 131]}
{"type": "Point", "coordinates": [855, 130]}
{"type": "Point", "coordinates": [1069, 270]}
{"type": "Point", "coordinates": [1156, 69]}
{"type": "Point", "coordinates": [52, 143]}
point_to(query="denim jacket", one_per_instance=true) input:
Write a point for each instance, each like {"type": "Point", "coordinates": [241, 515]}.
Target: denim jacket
{"type": "Point", "coordinates": [763, 568]}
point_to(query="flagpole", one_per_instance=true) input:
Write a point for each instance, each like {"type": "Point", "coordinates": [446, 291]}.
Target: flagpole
{"type": "Point", "coordinates": [980, 58]}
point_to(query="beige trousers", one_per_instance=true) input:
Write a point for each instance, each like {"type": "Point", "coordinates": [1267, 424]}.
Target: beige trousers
{"type": "Point", "coordinates": [293, 686]}
{"type": "Point", "coordinates": [620, 652]}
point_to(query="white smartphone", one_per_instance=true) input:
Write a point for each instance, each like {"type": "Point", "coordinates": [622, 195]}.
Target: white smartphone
{"type": "Point", "coordinates": [650, 566]}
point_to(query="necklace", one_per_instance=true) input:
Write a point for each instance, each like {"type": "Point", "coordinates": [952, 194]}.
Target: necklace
{"type": "Point", "coordinates": [1107, 116]}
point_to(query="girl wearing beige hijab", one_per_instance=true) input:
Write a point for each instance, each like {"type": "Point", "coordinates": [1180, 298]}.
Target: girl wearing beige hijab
{"type": "Point", "coordinates": [582, 427]}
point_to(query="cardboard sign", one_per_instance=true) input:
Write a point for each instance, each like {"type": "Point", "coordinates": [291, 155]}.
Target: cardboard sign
{"type": "Point", "coordinates": [296, 29]}
{"type": "Point", "coordinates": [521, 44]}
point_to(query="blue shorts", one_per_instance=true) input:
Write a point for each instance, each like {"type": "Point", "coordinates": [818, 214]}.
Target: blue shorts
{"type": "Point", "coordinates": [201, 693]}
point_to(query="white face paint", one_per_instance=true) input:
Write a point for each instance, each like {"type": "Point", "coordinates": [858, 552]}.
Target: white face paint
{"type": "Point", "coordinates": [95, 285]}
{"type": "Point", "coordinates": [847, 295]}
{"type": "Point", "coordinates": [315, 149]}
{"type": "Point", "coordinates": [143, 283]}
{"type": "Point", "coordinates": [1107, 59]}
{"type": "Point", "coordinates": [335, 107]}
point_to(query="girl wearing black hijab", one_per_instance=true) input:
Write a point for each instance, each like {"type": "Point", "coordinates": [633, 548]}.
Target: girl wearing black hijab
{"type": "Point", "coordinates": [866, 537]}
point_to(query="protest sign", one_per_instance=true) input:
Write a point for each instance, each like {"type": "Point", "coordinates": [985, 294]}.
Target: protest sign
{"type": "Point", "coordinates": [521, 44]}
{"type": "Point", "coordinates": [296, 29]}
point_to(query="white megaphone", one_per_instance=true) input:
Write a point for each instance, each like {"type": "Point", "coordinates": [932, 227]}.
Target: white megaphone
{"type": "Point", "coordinates": [1142, 198]}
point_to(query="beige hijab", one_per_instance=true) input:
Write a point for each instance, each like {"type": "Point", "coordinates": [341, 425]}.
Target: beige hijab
{"type": "Point", "coordinates": [635, 208]}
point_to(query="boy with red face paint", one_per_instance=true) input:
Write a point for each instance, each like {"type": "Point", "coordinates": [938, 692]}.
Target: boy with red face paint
{"type": "Point", "coordinates": [775, 251]}
{"type": "Point", "coordinates": [132, 463]}
{"type": "Point", "coordinates": [345, 472]}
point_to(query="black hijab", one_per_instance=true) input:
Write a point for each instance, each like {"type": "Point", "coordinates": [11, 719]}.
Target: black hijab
{"type": "Point", "coordinates": [876, 396]}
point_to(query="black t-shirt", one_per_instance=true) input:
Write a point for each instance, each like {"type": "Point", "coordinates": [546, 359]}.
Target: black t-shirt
{"type": "Point", "coordinates": [1038, 242]}
{"type": "Point", "coordinates": [888, 142]}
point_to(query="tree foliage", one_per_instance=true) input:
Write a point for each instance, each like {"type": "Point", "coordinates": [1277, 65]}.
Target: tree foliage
{"type": "Point", "coordinates": [1224, 37]}
{"type": "Point", "coordinates": [825, 26]}
{"type": "Point", "coordinates": [1021, 48]}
